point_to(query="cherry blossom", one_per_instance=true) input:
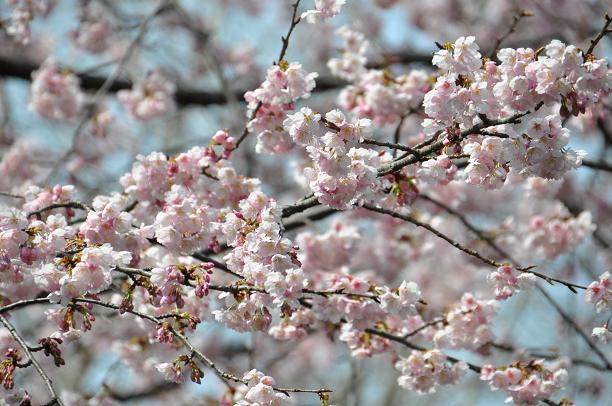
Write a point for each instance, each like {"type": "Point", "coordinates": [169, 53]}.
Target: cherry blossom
{"type": "Point", "coordinates": [55, 94]}
{"type": "Point", "coordinates": [425, 371]}
{"type": "Point", "coordinates": [526, 383]}
{"type": "Point", "coordinates": [148, 99]}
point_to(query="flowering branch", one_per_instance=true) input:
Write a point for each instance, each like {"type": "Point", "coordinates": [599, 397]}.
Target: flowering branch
{"type": "Point", "coordinates": [604, 31]}
{"type": "Point", "coordinates": [224, 376]}
{"type": "Point", "coordinates": [26, 349]}
{"type": "Point", "coordinates": [285, 40]}
{"type": "Point", "coordinates": [571, 286]}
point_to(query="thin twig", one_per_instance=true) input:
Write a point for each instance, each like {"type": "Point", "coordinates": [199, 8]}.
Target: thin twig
{"type": "Point", "coordinates": [48, 383]}
{"type": "Point", "coordinates": [571, 286]}
{"type": "Point", "coordinates": [515, 20]}
{"type": "Point", "coordinates": [604, 31]}
{"type": "Point", "coordinates": [285, 40]}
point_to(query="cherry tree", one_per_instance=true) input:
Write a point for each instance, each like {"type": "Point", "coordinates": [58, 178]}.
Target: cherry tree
{"type": "Point", "coordinates": [394, 202]}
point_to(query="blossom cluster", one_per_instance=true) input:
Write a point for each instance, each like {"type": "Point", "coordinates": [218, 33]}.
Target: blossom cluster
{"type": "Point", "coordinates": [342, 172]}
{"type": "Point", "coordinates": [151, 98]}
{"type": "Point", "coordinates": [269, 104]}
{"type": "Point", "coordinates": [470, 89]}
{"type": "Point", "coordinates": [526, 383]}
{"type": "Point", "coordinates": [375, 93]}
{"type": "Point", "coordinates": [599, 293]}
{"type": "Point", "coordinates": [55, 94]}
{"type": "Point", "coordinates": [260, 391]}
{"type": "Point", "coordinates": [507, 283]}
{"type": "Point", "coordinates": [324, 10]}
{"type": "Point", "coordinates": [425, 371]}
{"type": "Point", "coordinates": [95, 28]}
{"type": "Point", "coordinates": [23, 13]}
{"type": "Point", "coordinates": [468, 325]}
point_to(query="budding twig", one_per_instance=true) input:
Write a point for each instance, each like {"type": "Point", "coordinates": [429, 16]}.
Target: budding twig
{"type": "Point", "coordinates": [55, 400]}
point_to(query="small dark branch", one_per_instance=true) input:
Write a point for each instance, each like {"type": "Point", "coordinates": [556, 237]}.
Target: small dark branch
{"type": "Point", "coordinates": [601, 125]}
{"type": "Point", "coordinates": [425, 326]}
{"type": "Point", "coordinates": [604, 31]}
{"type": "Point", "coordinates": [410, 345]}
{"type": "Point", "coordinates": [295, 20]}
{"type": "Point", "coordinates": [550, 355]}
{"type": "Point", "coordinates": [437, 233]}
{"type": "Point", "coordinates": [602, 166]}
{"type": "Point", "coordinates": [515, 20]}
{"type": "Point", "coordinates": [245, 131]}
{"type": "Point", "coordinates": [552, 301]}
{"type": "Point", "coordinates": [67, 205]}
{"type": "Point", "coordinates": [341, 292]}
{"type": "Point", "coordinates": [224, 376]}
{"type": "Point", "coordinates": [300, 206]}
{"type": "Point", "coordinates": [14, 196]}
{"type": "Point", "coordinates": [26, 349]}
{"type": "Point", "coordinates": [285, 40]}
{"type": "Point", "coordinates": [23, 303]}
{"type": "Point", "coordinates": [292, 225]}
{"type": "Point", "coordinates": [159, 389]}
{"type": "Point", "coordinates": [394, 146]}
{"type": "Point", "coordinates": [406, 160]}
{"type": "Point", "coordinates": [480, 234]}
{"type": "Point", "coordinates": [492, 134]}
{"type": "Point", "coordinates": [201, 257]}
{"type": "Point", "coordinates": [219, 265]}
{"type": "Point", "coordinates": [397, 135]}
{"type": "Point", "coordinates": [576, 327]}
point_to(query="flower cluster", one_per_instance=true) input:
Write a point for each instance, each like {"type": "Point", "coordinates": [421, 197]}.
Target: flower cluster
{"type": "Point", "coordinates": [170, 282]}
{"type": "Point", "coordinates": [55, 94]}
{"type": "Point", "coordinates": [599, 293]}
{"type": "Point", "coordinates": [506, 281]}
{"type": "Point", "coordinates": [24, 12]}
{"type": "Point", "coordinates": [89, 271]}
{"type": "Point", "coordinates": [526, 383]}
{"type": "Point", "coordinates": [602, 334]}
{"type": "Point", "coordinates": [470, 90]}
{"type": "Point", "coordinates": [260, 391]}
{"type": "Point", "coordinates": [468, 325]}
{"type": "Point", "coordinates": [440, 170]}
{"type": "Point", "coordinates": [183, 225]}
{"type": "Point", "coordinates": [558, 233]}
{"type": "Point", "coordinates": [342, 173]}
{"type": "Point", "coordinates": [285, 83]}
{"type": "Point", "coordinates": [375, 93]}
{"type": "Point", "coordinates": [425, 371]}
{"type": "Point", "coordinates": [174, 371]}
{"type": "Point", "coordinates": [95, 28]}
{"type": "Point", "coordinates": [324, 10]}
{"type": "Point", "coordinates": [265, 259]}
{"type": "Point", "coordinates": [150, 98]}
{"type": "Point", "coordinates": [352, 62]}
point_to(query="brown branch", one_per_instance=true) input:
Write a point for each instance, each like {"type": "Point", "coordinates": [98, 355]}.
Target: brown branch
{"type": "Point", "coordinates": [285, 40]}
{"type": "Point", "coordinates": [480, 234]}
{"type": "Point", "coordinates": [515, 20]}
{"type": "Point", "coordinates": [68, 205]}
{"type": "Point", "coordinates": [539, 354]}
{"type": "Point", "coordinates": [602, 166]}
{"type": "Point", "coordinates": [224, 376]}
{"type": "Point", "coordinates": [557, 307]}
{"type": "Point", "coordinates": [439, 145]}
{"type": "Point", "coordinates": [55, 400]}
{"type": "Point", "coordinates": [604, 31]}
{"type": "Point", "coordinates": [300, 206]}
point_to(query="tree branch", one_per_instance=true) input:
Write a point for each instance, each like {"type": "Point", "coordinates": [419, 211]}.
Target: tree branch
{"type": "Point", "coordinates": [55, 400]}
